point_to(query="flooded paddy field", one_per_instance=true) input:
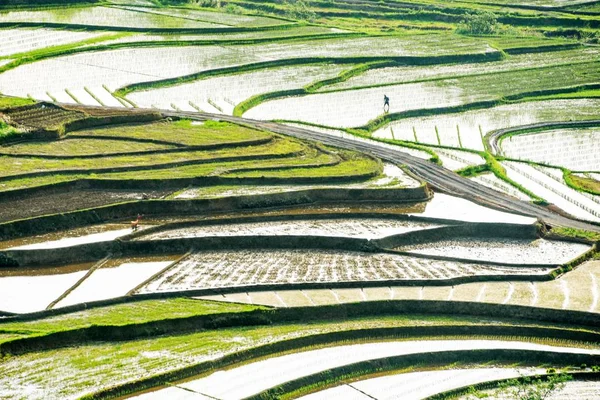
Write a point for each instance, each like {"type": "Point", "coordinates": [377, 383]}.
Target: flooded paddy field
{"type": "Point", "coordinates": [72, 237]}
{"type": "Point", "coordinates": [573, 390]}
{"type": "Point", "coordinates": [492, 181]}
{"type": "Point", "coordinates": [473, 125]}
{"type": "Point", "coordinates": [575, 149]}
{"type": "Point", "coordinates": [292, 31]}
{"type": "Point", "coordinates": [246, 380]}
{"type": "Point", "coordinates": [364, 105]}
{"type": "Point", "coordinates": [548, 183]}
{"type": "Point", "coordinates": [362, 228]}
{"type": "Point", "coordinates": [510, 251]}
{"type": "Point", "coordinates": [115, 278]}
{"type": "Point", "coordinates": [27, 290]}
{"type": "Point", "coordinates": [465, 210]}
{"type": "Point", "coordinates": [578, 290]}
{"type": "Point", "coordinates": [418, 385]}
{"type": "Point", "coordinates": [456, 160]}
{"type": "Point", "coordinates": [15, 41]}
{"type": "Point", "coordinates": [115, 68]}
{"type": "Point", "coordinates": [33, 289]}
{"type": "Point", "coordinates": [131, 17]}
{"type": "Point", "coordinates": [228, 91]}
{"type": "Point", "coordinates": [214, 269]}
{"type": "Point", "coordinates": [395, 75]}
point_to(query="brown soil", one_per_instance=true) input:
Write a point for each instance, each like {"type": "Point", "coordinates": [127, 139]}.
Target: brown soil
{"type": "Point", "coordinates": [44, 203]}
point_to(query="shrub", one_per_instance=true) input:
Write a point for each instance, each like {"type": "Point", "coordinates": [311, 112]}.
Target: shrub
{"type": "Point", "coordinates": [299, 10]}
{"type": "Point", "coordinates": [479, 23]}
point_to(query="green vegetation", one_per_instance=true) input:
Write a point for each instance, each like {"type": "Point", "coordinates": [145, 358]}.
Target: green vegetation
{"type": "Point", "coordinates": [581, 183]}
{"type": "Point", "coordinates": [479, 23]}
{"type": "Point", "coordinates": [183, 132]}
{"type": "Point", "coordinates": [526, 387]}
{"type": "Point", "coordinates": [100, 365]}
{"type": "Point", "coordinates": [576, 233]}
{"type": "Point", "coordinates": [122, 314]}
{"type": "Point", "coordinates": [11, 102]}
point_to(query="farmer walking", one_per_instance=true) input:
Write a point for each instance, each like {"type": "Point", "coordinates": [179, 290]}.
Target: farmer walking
{"type": "Point", "coordinates": [386, 103]}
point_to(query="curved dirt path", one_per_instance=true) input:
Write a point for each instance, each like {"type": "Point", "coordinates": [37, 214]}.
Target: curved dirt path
{"type": "Point", "coordinates": [438, 177]}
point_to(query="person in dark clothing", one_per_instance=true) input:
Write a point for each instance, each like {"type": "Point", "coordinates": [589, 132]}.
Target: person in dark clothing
{"type": "Point", "coordinates": [386, 103]}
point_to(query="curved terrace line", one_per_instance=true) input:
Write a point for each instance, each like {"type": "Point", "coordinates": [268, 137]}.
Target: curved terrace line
{"type": "Point", "coordinates": [38, 55]}
{"type": "Point", "coordinates": [180, 148]}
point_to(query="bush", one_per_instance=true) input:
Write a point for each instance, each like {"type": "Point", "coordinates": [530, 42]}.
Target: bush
{"type": "Point", "coordinates": [299, 10]}
{"type": "Point", "coordinates": [479, 23]}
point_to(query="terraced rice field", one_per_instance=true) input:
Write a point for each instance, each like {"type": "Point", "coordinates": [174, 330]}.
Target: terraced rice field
{"type": "Point", "coordinates": [214, 269]}
{"type": "Point", "coordinates": [112, 16]}
{"type": "Point", "coordinates": [548, 183]}
{"type": "Point", "coordinates": [256, 377]}
{"type": "Point", "coordinates": [404, 74]}
{"type": "Point", "coordinates": [362, 228]}
{"type": "Point", "coordinates": [114, 69]}
{"type": "Point", "coordinates": [503, 251]}
{"type": "Point", "coordinates": [578, 148]}
{"type": "Point", "coordinates": [362, 105]}
{"type": "Point", "coordinates": [222, 94]}
{"type": "Point", "coordinates": [417, 385]}
{"type": "Point", "coordinates": [15, 41]}
{"type": "Point", "coordinates": [579, 290]}
{"type": "Point", "coordinates": [259, 250]}
{"type": "Point", "coordinates": [473, 125]}
{"type": "Point", "coordinates": [293, 31]}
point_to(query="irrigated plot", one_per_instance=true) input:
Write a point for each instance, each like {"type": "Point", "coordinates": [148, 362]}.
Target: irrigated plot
{"type": "Point", "coordinates": [382, 46]}
{"type": "Point", "coordinates": [455, 160]}
{"type": "Point", "coordinates": [493, 182]}
{"type": "Point", "coordinates": [354, 108]}
{"type": "Point", "coordinates": [464, 210]}
{"type": "Point", "coordinates": [212, 17]}
{"type": "Point", "coordinates": [72, 237]}
{"type": "Point", "coordinates": [545, 182]}
{"type": "Point", "coordinates": [26, 290]}
{"type": "Point", "coordinates": [105, 16]}
{"type": "Point", "coordinates": [369, 228]}
{"type": "Point", "coordinates": [228, 91]}
{"type": "Point", "coordinates": [16, 41]}
{"type": "Point", "coordinates": [510, 251]}
{"type": "Point", "coordinates": [473, 125]}
{"type": "Point", "coordinates": [114, 279]}
{"type": "Point", "coordinates": [246, 380]}
{"type": "Point", "coordinates": [575, 149]}
{"type": "Point", "coordinates": [115, 68]}
{"type": "Point", "coordinates": [81, 147]}
{"type": "Point", "coordinates": [403, 74]}
{"type": "Point", "coordinates": [214, 269]}
{"type": "Point", "coordinates": [417, 385]}
{"type": "Point", "coordinates": [357, 107]}
{"type": "Point", "coordinates": [293, 31]}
